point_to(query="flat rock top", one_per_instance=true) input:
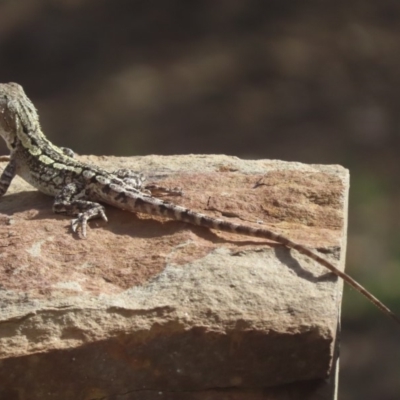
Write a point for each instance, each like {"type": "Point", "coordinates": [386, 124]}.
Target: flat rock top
{"type": "Point", "coordinates": [136, 271]}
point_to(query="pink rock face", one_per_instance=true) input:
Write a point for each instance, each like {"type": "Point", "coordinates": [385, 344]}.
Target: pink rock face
{"type": "Point", "coordinates": [145, 304]}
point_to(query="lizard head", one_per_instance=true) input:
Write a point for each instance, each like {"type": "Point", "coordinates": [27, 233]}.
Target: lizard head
{"type": "Point", "coordinates": [17, 114]}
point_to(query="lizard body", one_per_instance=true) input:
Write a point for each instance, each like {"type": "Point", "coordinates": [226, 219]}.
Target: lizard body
{"type": "Point", "coordinates": [79, 188]}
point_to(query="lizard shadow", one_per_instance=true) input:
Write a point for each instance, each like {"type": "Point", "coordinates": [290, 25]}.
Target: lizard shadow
{"type": "Point", "coordinates": [24, 201]}
{"type": "Point", "coordinates": [135, 225]}
{"type": "Point", "coordinates": [142, 226]}
{"type": "Point", "coordinates": [284, 255]}
{"type": "Point", "coordinates": [139, 225]}
{"type": "Point", "coordinates": [148, 227]}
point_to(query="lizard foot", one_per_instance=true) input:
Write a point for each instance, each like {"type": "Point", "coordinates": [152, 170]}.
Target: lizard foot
{"type": "Point", "coordinates": [80, 223]}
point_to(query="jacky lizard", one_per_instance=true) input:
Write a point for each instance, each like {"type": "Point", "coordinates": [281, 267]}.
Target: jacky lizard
{"type": "Point", "coordinates": [78, 188]}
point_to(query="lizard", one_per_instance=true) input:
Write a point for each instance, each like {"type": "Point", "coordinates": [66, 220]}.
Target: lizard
{"type": "Point", "coordinates": [79, 189]}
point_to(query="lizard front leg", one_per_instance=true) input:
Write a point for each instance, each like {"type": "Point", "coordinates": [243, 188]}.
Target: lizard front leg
{"type": "Point", "coordinates": [7, 176]}
{"type": "Point", "coordinates": [71, 201]}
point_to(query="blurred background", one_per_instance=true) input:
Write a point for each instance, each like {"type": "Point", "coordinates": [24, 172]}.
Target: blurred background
{"type": "Point", "coordinates": [310, 81]}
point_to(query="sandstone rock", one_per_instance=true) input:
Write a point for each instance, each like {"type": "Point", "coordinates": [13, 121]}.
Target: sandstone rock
{"type": "Point", "coordinates": [147, 308]}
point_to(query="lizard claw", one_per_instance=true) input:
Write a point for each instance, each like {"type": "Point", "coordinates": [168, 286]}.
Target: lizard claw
{"type": "Point", "coordinates": [81, 221]}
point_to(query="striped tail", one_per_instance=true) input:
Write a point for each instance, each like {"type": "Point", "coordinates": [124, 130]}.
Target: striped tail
{"type": "Point", "coordinates": [154, 206]}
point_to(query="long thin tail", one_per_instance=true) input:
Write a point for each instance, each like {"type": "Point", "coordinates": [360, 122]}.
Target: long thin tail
{"type": "Point", "coordinates": [156, 206]}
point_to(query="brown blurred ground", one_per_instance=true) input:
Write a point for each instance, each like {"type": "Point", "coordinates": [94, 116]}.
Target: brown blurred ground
{"type": "Point", "coordinates": [309, 81]}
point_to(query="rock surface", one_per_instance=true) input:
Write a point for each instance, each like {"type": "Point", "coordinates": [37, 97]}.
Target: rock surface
{"type": "Point", "coordinates": [148, 308]}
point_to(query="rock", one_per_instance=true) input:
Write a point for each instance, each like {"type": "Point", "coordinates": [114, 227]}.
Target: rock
{"type": "Point", "coordinates": [148, 308]}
